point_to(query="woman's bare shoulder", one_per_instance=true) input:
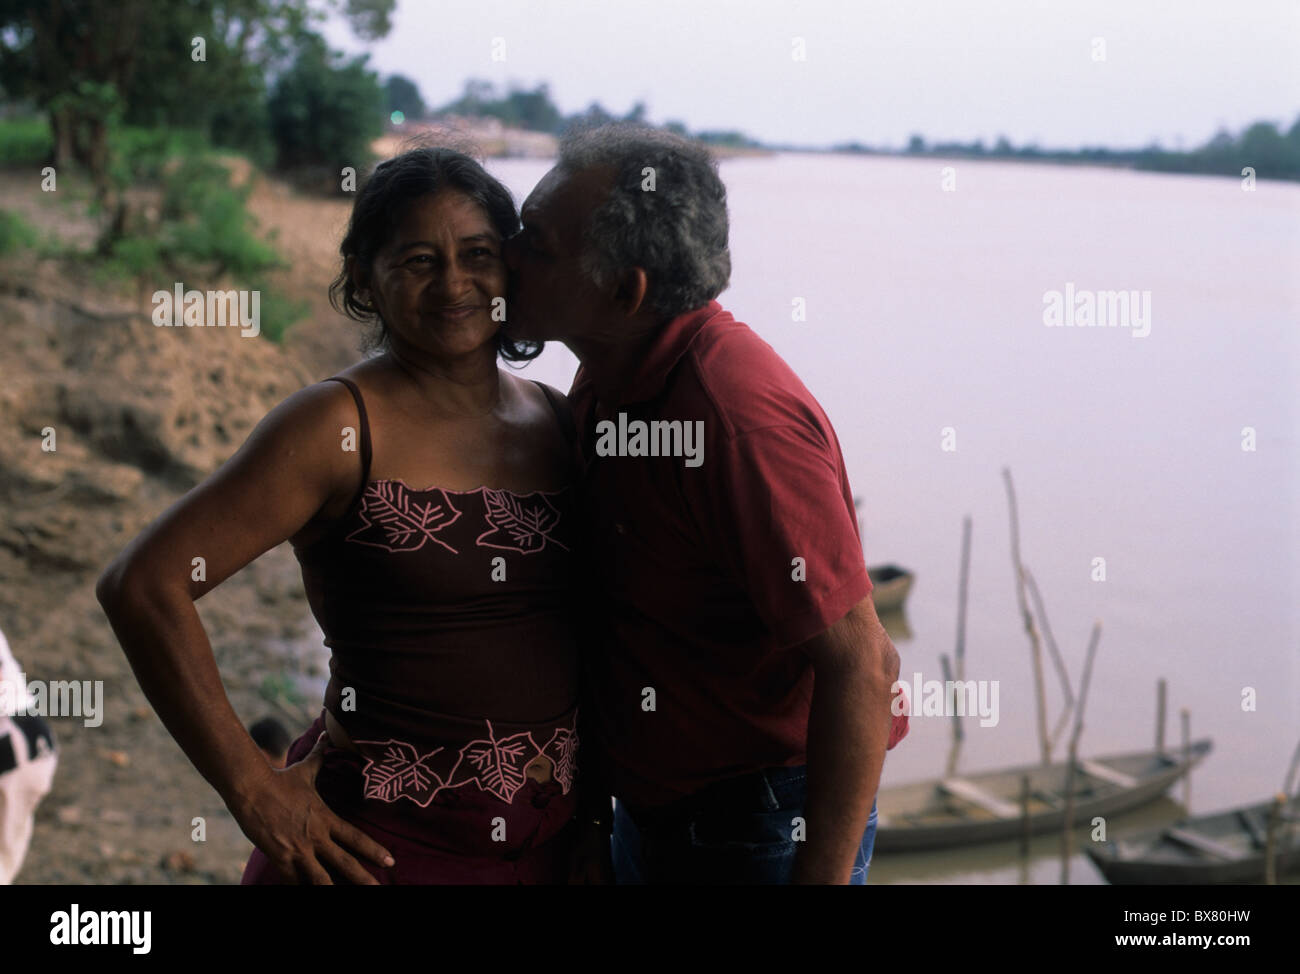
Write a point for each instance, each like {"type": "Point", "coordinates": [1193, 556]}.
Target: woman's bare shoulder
{"type": "Point", "coordinates": [311, 409]}
{"type": "Point", "coordinates": [309, 443]}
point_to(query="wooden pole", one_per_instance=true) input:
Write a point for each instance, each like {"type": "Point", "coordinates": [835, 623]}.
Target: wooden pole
{"type": "Point", "coordinates": [1290, 795]}
{"type": "Point", "coordinates": [1068, 823]}
{"type": "Point", "coordinates": [1289, 785]}
{"type": "Point", "coordinates": [1024, 816]}
{"type": "Point", "coordinates": [962, 584]}
{"type": "Point", "coordinates": [1270, 844]}
{"type": "Point", "coordinates": [1035, 644]}
{"type": "Point", "coordinates": [1061, 672]}
{"type": "Point", "coordinates": [957, 732]}
{"type": "Point", "coordinates": [1161, 695]}
{"type": "Point", "coordinates": [1187, 755]}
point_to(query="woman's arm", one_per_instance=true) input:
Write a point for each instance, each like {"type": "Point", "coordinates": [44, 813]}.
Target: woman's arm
{"type": "Point", "coordinates": [292, 467]}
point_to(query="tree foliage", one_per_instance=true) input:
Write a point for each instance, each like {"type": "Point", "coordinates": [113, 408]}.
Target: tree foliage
{"type": "Point", "coordinates": [533, 109]}
{"type": "Point", "coordinates": [401, 94]}
{"type": "Point", "coordinates": [205, 66]}
{"type": "Point", "coordinates": [197, 64]}
{"type": "Point", "coordinates": [325, 110]}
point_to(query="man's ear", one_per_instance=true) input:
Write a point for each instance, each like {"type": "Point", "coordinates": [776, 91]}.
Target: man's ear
{"type": "Point", "coordinates": [631, 292]}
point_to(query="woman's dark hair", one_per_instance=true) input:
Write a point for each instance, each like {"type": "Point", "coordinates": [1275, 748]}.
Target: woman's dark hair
{"type": "Point", "coordinates": [380, 204]}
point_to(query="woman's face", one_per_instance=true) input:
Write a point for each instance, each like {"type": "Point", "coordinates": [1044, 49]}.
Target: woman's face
{"type": "Point", "coordinates": [436, 280]}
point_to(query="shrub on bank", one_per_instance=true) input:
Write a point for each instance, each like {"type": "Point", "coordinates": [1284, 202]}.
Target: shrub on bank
{"type": "Point", "coordinates": [25, 142]}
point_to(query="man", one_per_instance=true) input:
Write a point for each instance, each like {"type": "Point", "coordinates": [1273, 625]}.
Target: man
{"type": "Point", "coordinates": [740, 680]}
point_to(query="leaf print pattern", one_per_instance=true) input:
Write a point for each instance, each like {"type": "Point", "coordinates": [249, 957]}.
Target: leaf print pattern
{"type": "Point", "coordinates": [395, 521]}
{"type": "Point", "coordinates": [401, 773]}
{"type": "Point", "coordinates": [562, 749]}
{"type": "Point", "coordinates": [499, 764]}
{"type": "Point", "coordinates": [519, 523]}
{"type": "Point", "coordinates": [495, 765]}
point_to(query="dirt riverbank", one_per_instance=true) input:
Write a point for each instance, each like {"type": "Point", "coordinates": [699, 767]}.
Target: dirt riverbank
{"type": "Point", "coordinates": [139, 415]}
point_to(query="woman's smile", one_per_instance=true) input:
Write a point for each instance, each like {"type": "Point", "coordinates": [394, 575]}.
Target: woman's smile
{"type": "Point", "coordinates": [458, 312]}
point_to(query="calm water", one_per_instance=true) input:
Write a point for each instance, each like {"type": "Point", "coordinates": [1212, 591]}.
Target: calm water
{"type": "Point", "coordinates": [925, 311]}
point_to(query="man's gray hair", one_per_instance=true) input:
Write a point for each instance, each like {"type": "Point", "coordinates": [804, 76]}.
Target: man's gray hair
{"type": "Point", "coordinates": [676, 232]}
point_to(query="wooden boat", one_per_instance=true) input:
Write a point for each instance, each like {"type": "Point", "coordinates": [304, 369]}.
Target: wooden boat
{"type": "Point", "coordinates": [889, 586]}
{"type": "Point", "coordinates": [985, 806]}
{"type": "Point", "coordinates": [1223, 847]}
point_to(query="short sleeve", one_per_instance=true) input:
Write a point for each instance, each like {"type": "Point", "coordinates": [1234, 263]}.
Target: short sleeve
{"type": "Point", "coordinates": [781, 514]}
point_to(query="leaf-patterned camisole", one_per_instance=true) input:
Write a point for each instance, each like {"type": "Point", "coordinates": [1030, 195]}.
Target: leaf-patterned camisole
{"type": "Point", "coordinates": [450, 617]}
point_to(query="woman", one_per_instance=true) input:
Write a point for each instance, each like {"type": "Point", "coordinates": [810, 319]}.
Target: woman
{"type": "Point", "coordinates": [426, 493]}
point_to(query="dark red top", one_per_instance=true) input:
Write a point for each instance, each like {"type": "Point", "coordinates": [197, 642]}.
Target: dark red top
{"type": "Point", "coordinates": [703, 599]}
{"type": "Point", "coordinates": [450, 616]}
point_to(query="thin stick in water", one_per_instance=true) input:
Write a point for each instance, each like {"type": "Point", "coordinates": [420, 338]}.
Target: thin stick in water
{"type": "Point", "coordinates": [1068, 823]}
{"type": "Point", "coordinates": [1162, 692]}
{"type": "Point", "coordinates": [1035, 644]}
{"type": "Point", "coordinates": [1289, 786]}
{"type": "Point", "coordinates": [957, 732]}
{"type": "Point", "coordinates": [962, 583]}
{"type": "Point", "coordinates": [1024, 816]}
{"type": "Point", "coordinates": [1061, 671]}
{"type": "Point", "coordinates": [1270, 844]}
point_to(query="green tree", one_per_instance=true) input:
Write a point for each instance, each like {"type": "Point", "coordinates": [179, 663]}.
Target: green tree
{"type": "Point", "coordinates": [477, 96]}
{"type": "Point", "coordinates": [401, 94]}
{"type": "Point", "coordinates": [72, 58]}
{"type": "Point", "coordinates": [325, 110]}
{"type": "Point", "coordinates": [594, 115]}
{"type": "Point", "coordinates": [532, 109]}
{"type": "Point", "coordinates": [1263, 147]}
{"type": "Point", "coordinates": [195, 64]}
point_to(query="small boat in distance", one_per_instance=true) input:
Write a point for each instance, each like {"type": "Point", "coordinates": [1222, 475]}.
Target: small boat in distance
{"type": "Point", "coordinates": [889, 586]}
{"type": "Point", "coordinates": [1222, 847]}
{"type": "Point", "coordinates": [985, 806]}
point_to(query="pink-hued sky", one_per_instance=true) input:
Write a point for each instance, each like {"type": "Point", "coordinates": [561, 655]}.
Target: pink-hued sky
{"type": "Point", "coordinates": [875, 72]}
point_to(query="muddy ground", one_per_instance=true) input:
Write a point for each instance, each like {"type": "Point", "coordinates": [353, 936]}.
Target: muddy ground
{"type": "Point", "coordinates": [140, 415]}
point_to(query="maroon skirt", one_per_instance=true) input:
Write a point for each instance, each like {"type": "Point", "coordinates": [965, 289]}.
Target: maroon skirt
{"type": "Point", "coordinates": [466, 836]}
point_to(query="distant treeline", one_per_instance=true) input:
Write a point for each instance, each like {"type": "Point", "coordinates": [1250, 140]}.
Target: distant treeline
{"type": "Point", "coordinates": [533, 109]}
{"type": "Point", "coordinates": [1260, 147]}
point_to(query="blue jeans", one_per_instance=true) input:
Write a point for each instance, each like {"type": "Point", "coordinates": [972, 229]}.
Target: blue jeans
{"type": "Point", "coordinates": [738, 831]}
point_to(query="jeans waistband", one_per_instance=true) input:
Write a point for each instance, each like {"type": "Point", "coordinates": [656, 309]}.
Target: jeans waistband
{"type": "Point", "coordinates": [765, 790]}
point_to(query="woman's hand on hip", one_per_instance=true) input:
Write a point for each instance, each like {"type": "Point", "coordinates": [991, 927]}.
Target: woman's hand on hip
{"type": "Point", "coordinates": [284, 816]}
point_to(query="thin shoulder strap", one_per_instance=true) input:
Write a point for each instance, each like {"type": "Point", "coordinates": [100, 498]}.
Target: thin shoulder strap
{"type": "Point", "coordinates": [562, 413]}
{"type": "Point", "coordinates": [365, 434]}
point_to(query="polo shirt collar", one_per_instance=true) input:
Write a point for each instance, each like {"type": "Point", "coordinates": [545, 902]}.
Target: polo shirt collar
{"type": "Point", "coordinates": [665, 352]}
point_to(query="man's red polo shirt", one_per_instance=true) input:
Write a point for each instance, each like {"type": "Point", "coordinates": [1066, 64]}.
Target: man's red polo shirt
{"type": "Point", "coordinates": [709, 575]}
